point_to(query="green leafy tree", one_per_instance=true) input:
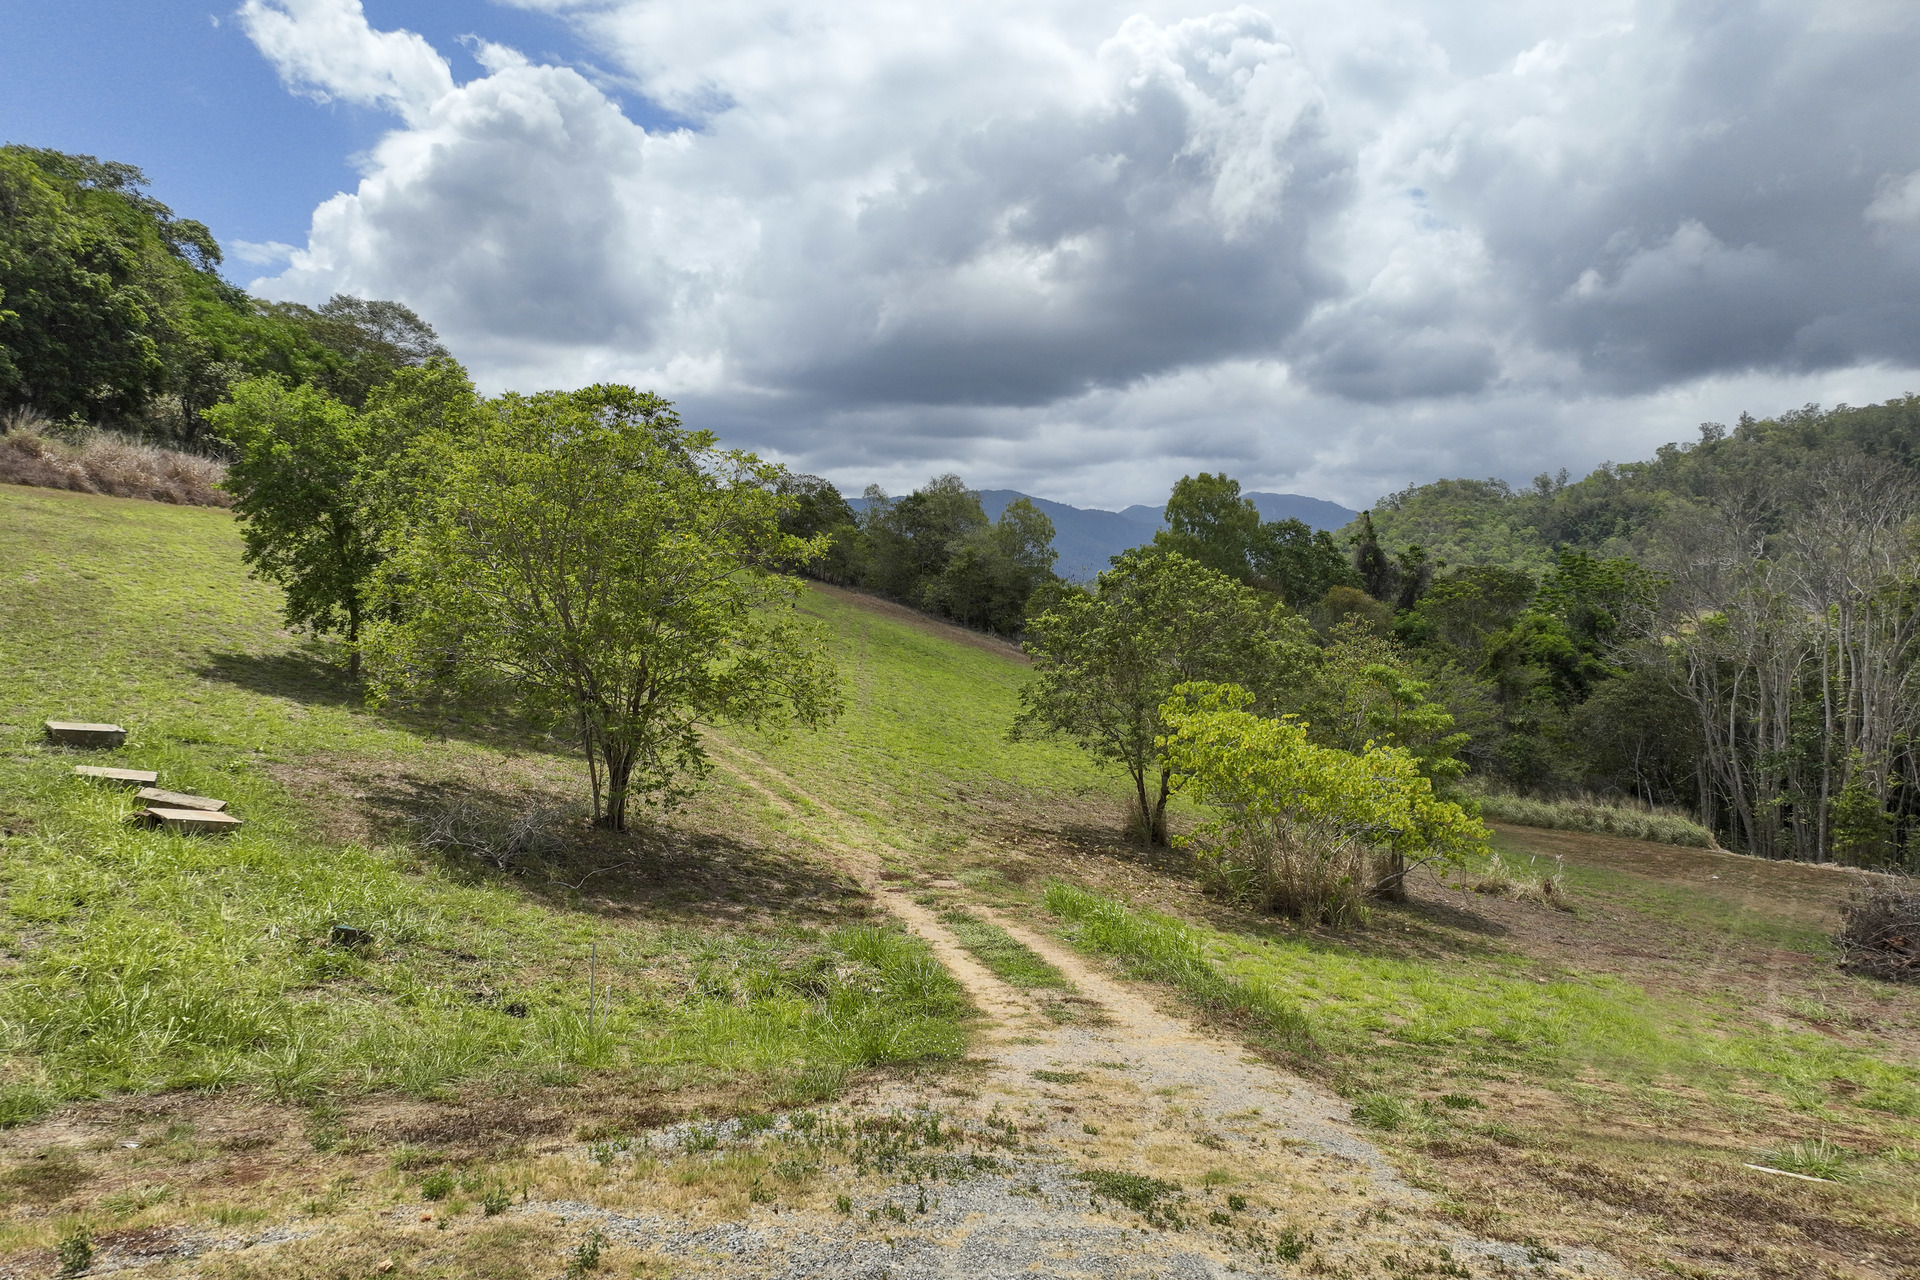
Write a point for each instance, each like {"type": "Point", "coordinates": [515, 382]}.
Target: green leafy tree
{"type": "Point", "coordinates": [1298, 564]}
{"type": "Point", "coordinates": [1300, 815]}
{"type": "Point", "coordinates": [910, 540]}
{"type": "Point", "coordinates": [1378, 571]}
{"type": "Point", "coordinates": [78, 295]}
{"type": "Point", "coordinates": [1367, 690]}
{"type": "Point", "coordinates": [319, 487]}
{"type": "Point", "coordinates": [1106, 660]}
{"type": "Point", "coordinates": [364, 341]}
{"type": "Point", "coordinates": [588, 555]}
{"type": "Point", "coordinates": [996, 570]}
{"type": "Point", "coordinates": [298, 454]}
{"type": "Point", "coordinates": [820, 512]}
{"type": "Point", "coordinates": [1209, 522]}
{"type": "Point", "coordinates": [112, 309]}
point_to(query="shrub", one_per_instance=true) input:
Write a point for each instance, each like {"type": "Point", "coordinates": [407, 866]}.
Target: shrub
{"type": "Point", "coordinates": [1301, 828]}
{"type": "Point", "coordinates": [1498, 879]}
{"type": "Point", "coordinates": [1301, 869]}
{"type": "Point", "coordinates": [1880, 930]}
{"type": "Point", "coordinates": [1629, 819]}
{"type": "Point", "coordinates": [107, 463]}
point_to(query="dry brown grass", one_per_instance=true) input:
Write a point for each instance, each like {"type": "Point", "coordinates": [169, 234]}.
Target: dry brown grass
{"type": "Point", "coordinates": [107, 463]}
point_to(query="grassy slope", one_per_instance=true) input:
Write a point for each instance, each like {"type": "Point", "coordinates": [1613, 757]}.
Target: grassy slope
{"type": "Point", "coordinates": [138, 960]}
{"type": "Point", "coordinates": [1677, 1025]}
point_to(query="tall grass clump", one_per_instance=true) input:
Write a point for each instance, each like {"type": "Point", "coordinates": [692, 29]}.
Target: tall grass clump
{"type": "Point", "coordinates": [1629, 819]}
{"type": "Point", "coordinates": [107, 463]}
{"type": "Point", "coordinates": [1162, 949]}
{"type": "Point", "coordinates": [1307, 870]}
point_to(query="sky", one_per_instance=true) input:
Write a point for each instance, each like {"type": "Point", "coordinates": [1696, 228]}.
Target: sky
{"type": "Point", "coordinates": [1071, 247]}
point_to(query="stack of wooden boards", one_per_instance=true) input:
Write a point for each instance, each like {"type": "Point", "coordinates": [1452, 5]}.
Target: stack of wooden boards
{"type": "Point", "coordinates": [173, 810]}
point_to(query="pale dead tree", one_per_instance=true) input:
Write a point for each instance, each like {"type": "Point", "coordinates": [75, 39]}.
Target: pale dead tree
{"type": "Point", "coordinates": [1795, 637]}
{"type": "Point", "coordinates": [1851, 560]}
{"type": "Point", "coordinates": [1739, 643]}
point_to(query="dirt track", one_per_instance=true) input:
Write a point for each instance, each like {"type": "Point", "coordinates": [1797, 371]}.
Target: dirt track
{"type": "Point", "coordinates": [1121, 1087]}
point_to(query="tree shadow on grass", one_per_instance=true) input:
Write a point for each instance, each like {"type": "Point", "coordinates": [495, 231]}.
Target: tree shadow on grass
{"type": "Point", "coordinates": [654, 871]}
{"type": "Point", "coordinates": [311, 677]}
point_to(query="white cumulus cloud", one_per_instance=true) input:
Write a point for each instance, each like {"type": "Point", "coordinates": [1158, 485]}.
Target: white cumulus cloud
{"type": "Point", "coordinates": [1078, 247]}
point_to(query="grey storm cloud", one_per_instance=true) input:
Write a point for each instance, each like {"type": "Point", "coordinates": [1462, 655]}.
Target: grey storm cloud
{"type": "Point", "coordinates": [1060, 245]}
{"type": "Point", "coordinates": [1723, 226]}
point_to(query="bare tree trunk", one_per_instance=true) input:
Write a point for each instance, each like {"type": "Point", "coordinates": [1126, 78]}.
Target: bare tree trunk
{"type": "Point", "coordinates": [593, 761]}
{"type": "Point", "coordinates": [1391, 882]}
{"type": "Point", "coordinates": [1158, 832]}
{"type": "Point", "coordinates": [620, 762]}
{"type": "Point", "coordinates": [1143, 806]}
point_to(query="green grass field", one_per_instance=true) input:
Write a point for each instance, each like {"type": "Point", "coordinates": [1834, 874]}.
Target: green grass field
{"type": "Point", "coordinates": [138, 960]}
{"type": "Point", "coordinates": [1602, 1074]}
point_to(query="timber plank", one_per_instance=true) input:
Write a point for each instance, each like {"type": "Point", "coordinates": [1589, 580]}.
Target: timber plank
{"type": "Point", "coordinates": [190, 821]}
{"type": "Point", "coordinates": [127, 777]}
{"type": "Point", "coordinates": [158, 799]}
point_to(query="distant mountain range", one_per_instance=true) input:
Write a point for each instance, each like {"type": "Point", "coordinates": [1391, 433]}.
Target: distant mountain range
{"type": "Point", "coordinates": [1087, 538]}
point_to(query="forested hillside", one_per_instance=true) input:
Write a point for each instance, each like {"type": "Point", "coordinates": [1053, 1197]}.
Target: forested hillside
{"type": "Point", "coordinates": [113, 312]}
{"type": "Point", "coordinates": [1728, 626]}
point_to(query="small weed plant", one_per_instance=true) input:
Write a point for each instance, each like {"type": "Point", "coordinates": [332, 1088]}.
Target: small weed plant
{"type": "Point", "coordinates": [75, 1251]}
{"type": "Point", "coordinates": [1818, 1158]}
{"type": "Point", "coordinates": [585, 1257]}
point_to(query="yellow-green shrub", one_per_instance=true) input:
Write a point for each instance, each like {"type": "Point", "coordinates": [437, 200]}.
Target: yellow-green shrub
{"type": "Point", "coordinates": [1295, 826]}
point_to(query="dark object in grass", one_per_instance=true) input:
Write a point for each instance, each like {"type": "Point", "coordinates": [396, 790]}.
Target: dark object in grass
{"type": "Point", "coordinates": [158, 799]}
{"type": "Point", "coordinates": [78, 733]}
{"type": "Point", "coordinates": [125, 777]}
{"type": "Point", "coordinates": [514, 1010]}
{"type": "Point", "coordinates": [345, 935]}
{"type": "Point", "coordinates": [1880, 930]}
{"type": "Point", "coordinates": [196, 822]}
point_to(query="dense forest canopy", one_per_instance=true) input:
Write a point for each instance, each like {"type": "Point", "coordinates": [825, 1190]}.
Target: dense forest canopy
{"type": "Point", "coordinates": [1729, 626]}
{"type": "Point", "coordinates": [113, 311]}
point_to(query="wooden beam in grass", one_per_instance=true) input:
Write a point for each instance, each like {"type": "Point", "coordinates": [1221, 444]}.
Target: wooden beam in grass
{"type": "Point", "coordinates": [188, 821]}
{"type": "Point", "coordinates": [125, 777]}
{"type": "Point", "coordinates": [78, 733]}
{"type": "Point", "coordinates": [159, 799]}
